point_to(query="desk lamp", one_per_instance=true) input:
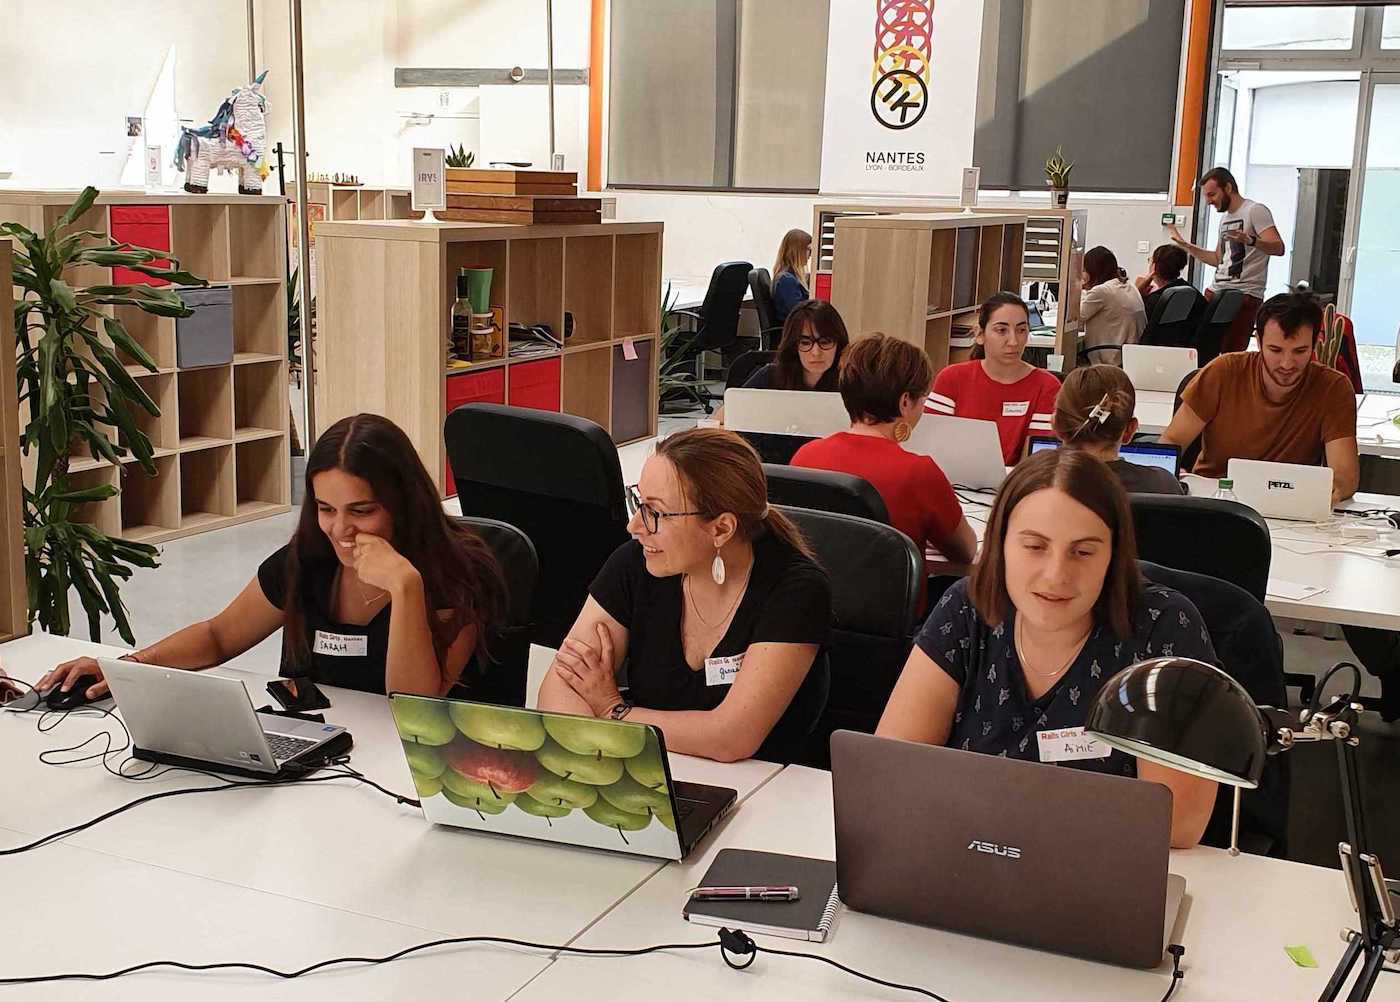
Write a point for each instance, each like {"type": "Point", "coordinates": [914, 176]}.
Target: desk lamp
{"type": "Point", "coordinates": [1190, 716]}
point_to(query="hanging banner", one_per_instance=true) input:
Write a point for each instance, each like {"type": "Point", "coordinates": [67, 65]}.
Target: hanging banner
{"type": "Point", "coordinates": [901, 95]}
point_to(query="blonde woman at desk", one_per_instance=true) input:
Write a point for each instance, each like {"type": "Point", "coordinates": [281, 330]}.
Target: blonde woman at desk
{"type": "Point", "coordinates": [789, 269]}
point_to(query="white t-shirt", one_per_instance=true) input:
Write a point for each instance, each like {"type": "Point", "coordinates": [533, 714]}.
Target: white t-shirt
{"type": "Point", "coordinates": [1241, 266]}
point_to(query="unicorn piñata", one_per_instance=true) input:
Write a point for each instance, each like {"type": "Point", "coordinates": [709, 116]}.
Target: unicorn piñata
{"type": "Point", "coordinates": [234, 140]}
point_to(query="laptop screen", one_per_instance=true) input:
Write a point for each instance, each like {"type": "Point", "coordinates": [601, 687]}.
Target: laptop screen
{"type": "Point", "coordinates": [553, 776]}
{"type": "Point", "coordinates": [1164, 457]}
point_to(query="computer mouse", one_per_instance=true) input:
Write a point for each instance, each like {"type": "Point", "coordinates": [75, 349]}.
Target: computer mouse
{"type": "Point", "coordinates": [75, 697]}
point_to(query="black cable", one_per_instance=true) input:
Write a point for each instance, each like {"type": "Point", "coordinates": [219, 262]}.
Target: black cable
{"type": "Point", "coordinates": [1355, 692]}
{"type": "Point", "coordinates": [1177, 951]}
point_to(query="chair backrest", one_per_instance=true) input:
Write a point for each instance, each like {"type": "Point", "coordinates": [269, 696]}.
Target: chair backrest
{"type": "Point", "coordinates": [876, 577]}
{"type": "Point", "coordinates": [761, 285]}
{"type": "Point", "coordinates": [557, 478]}
{"type": "Point", "coordinates": [502, 678]}
{"type": "Point", "coordinates": [1223, 539]}
{"type": "Point", "coordinates": [743, 367]}
{"type": "Point", "coordinates": [719, 312]}
{"type": "Point", "coordinates": [1191, 451]}
{"type": "Point", "coordinates": [1175, 317]}
{"type": "Point", "coordinates": [1250, 651]}
{"type": "Point", "coordinates": [1219, 314]}
{"type": "Point", "coordinates": [825, 490]}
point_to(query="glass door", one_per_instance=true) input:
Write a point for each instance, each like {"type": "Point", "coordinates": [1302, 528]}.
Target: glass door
{"type": "Point", "coordinates": [1371, 263]}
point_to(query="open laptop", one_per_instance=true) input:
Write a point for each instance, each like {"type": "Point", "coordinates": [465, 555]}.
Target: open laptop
{"type": "Point", "coordinates": [1157, 367]}
{"type": "Point", "coordinates": [779, 422]}
{"type": "Point", "coordinates": [1052, 858]}
{"type": "Point", "coordinates": [605, 784]}
{"type": "Point", "coordinates": [968, 451]}
{"type": "Point", "coordinates": [1283, 490]}
{"type": "Point", "coordinates": [205, 720]}
{"type": "Point", "coordinates": [1158, 454]}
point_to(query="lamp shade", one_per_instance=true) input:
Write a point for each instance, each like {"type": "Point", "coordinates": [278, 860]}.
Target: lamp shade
{"type": "Point", "coordinates": [1186, 715]}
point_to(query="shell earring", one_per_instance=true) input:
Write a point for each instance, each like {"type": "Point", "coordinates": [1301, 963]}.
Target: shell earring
{"type": "Point", "coordinates": [717, 568]}
{"type": "Point", "coordinates": [902, 431]}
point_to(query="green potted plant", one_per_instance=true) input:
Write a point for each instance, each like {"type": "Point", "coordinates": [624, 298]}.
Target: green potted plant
{"type": "Point", "coordinates": [76, 385]}
{"type": "Point", "coordinates": [678, 386]}
{"type": "Point", "coordinates": [1057, 170]}
{"type": "Point", "coordinates": [460, 156]}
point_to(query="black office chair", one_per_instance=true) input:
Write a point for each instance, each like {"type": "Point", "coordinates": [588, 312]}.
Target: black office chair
{"type": "Point", "coordinates": [1216, 321]}
{"type": "Point", "coordinates": [555, 477]}
{"type": "Point", "coordinates": [1175, 318]}
{"type": "Point", "coordinates": [743, 367]}
{"type": "Point", "coordinates": [716, 325]}
{"type": "Point", "coordinates": [876, 575]}
{"type": "Point", "coordinates": [825, 490]}
{"type": "Point", "coordinates": [770, 327]}
{"type": "Point", "coordinates": [501, 677]}
{"type": "Point", "coordinates": [1191, 451]}
{"type": "Point", "coordinates": [1250, 651]}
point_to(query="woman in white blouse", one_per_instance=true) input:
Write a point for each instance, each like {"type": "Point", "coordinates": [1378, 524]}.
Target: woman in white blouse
{"type": "Point", "coordinates": [1111, 306]}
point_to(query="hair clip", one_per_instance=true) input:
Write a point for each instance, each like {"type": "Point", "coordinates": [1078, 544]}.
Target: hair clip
{"type": "Point", "coordinates": [1099, 412]}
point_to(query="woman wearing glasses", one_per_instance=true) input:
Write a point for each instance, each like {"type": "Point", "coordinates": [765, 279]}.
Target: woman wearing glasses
{"type": "Point", "coordinates": [715, 607]}
{"type": "Point", "coordinates": [809, 354]}
{"type": "Point", "coordinates": [884, 383]}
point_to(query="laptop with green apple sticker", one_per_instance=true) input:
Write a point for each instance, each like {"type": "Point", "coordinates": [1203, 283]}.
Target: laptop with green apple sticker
{"type": "Point", "coordinates": [604, 784]}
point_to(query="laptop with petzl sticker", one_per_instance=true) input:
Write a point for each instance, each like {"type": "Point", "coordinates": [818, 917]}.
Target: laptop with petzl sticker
{"type": "Point", "coordinates": [605, 784]}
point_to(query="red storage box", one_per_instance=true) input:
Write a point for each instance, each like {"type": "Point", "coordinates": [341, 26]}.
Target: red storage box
{"type": "Point", "coordinates": [141, 226]}
{"type": "Point", "coordinates": [823, 288]}
{"type": "Point", "coordinates": [487, 387]}
{"type": "Point", "coordinates": [535, 384]}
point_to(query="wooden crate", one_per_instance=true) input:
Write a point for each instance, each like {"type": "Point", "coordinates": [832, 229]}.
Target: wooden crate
{"type": "Point", "coordinates": [467, 181]}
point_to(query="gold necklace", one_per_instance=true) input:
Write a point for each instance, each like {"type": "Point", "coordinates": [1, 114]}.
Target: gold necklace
{"type": "Point", "coordinates": [1025, 665]}
{"type": "Point", "coordinates": [367, 602]}
{"type": "Point", "coordinates": [685, 587]}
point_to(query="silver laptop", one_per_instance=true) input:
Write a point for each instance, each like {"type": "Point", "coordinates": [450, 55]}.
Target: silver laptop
{"type": "Point", "coordinates": [1283, 490]}
{"type": "Point", "coordinates": [1052, 858]}
{"type": "Point", "coordinates": [1156, 367]}
{"type": "Point", "coordinates": [205, 720]}
{"type": "Point", "coordinates": [806, 413]}
{"type": "Point", "coordinates": [968, 451]}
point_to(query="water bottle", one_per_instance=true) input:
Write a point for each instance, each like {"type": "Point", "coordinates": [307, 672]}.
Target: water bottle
{"type": "Point", "coordinates": [1225, 489]}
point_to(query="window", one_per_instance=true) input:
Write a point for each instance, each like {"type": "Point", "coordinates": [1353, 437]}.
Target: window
{"type": "Point", "coordinates": [1053, 75]}
{"type": "Point", "coordinates": [1390, 29]}
{"type": "Point", "coordinates": [717, 93]}
{"type": "Point", "coordinates": [1248, 28]}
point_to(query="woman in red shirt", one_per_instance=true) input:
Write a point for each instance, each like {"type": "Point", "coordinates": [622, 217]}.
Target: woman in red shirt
{"type": "Point", "coordinates": [1000, 385]}
{"type": "Point", "coordinates": [884, 382]}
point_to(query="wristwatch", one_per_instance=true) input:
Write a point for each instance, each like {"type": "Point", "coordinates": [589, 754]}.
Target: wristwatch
{"type": "Point", "coordinates": [620, 710]}
{"type": "Point", "coordinates": [1252, 239]}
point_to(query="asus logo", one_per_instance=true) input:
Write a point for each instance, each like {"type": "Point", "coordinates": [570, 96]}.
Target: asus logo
{"type": "Point", "coordinates": [1280, 485]}
{"type": "Point", "coordinates": [993, 849]}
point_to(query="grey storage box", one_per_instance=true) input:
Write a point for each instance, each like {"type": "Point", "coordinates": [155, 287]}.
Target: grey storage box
{"type": "Point", "coordinates": [205, 337]}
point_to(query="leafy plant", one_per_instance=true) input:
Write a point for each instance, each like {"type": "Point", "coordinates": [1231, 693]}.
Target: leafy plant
{"type": "Point", "coordinates": [1057, 169]}
{"type": "Point", "coordinates": [677, 378]}
{"type": "Point", "coordinates": [460, 156]}
{"type": "Point", "coordinates": [76, 385]}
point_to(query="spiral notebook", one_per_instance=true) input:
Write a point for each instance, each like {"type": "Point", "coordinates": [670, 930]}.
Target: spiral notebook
{"type": "Point", "coordinates": [810, 917]}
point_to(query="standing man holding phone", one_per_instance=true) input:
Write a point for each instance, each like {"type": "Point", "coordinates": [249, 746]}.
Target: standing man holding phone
{"type": "Point", "coordinates": [1248, 238]}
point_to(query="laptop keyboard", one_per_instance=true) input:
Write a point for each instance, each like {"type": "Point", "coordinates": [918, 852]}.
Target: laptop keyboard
{"type": "Point", "coordinates": [284, 748]}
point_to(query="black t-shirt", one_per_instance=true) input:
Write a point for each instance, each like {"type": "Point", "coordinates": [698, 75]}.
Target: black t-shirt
{"type": "Point", "coordinates": [762, 379]}
{"type": "Point", "coordinates": [344, 654]}
{"type": "Point", "coordinates": [787, 601]}
{"type": "Point", "coordinates": [995, 713]}
{"type": "Point", "coordinates": [1137, 478]}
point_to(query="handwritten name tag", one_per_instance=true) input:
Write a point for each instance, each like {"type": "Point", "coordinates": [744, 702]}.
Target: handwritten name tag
{"type": "Point", "coordinates": [1070, 744]}
{"type": "Point", "coordinates": [1015, 408]}
{"type": "Point", "coordinates": [723, 671]}
{"type": "Point", "coordinates": [341, 645]}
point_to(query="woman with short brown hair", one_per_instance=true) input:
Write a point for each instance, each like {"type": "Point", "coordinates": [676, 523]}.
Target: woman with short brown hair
{"type": "Point", "coordinates": [1054, 608]}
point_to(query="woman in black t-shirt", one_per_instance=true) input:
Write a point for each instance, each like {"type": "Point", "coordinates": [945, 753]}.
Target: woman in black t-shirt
{"type": "Point", "coordinates": [715, 606]}
{"type": "Point", "coordinates": [377, 590]}
{"type": "Point", "coordinates": [1094, 413]}
{"type": "Point", "coordinates": [1012, 657]}
{"type": "Point", "coordinates": [809, 353]}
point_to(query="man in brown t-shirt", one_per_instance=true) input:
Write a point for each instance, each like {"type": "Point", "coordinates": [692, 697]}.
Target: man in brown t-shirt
{"type": "Point", "coordinates": [1277, 404]}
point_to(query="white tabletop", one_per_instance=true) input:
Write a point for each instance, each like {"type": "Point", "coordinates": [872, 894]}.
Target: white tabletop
{"type": "Point", "coordinates": [1242, 912]}
{"type": "Point", "coordinates": [1154, 410]}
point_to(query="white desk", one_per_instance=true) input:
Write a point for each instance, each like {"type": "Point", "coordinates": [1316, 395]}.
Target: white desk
{"type": "Point", "coordinates": [1242, 913]}
{"type": "Point", "coordinates": [1154, 410]}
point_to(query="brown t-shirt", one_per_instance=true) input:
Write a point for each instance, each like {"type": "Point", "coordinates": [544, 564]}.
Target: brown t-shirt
{"type": "Point", "coordinates": [1241, 423]}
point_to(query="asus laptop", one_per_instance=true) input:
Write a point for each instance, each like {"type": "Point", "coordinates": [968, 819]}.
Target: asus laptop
{"type": "Point", "coordinates": [1283, 490]}
{"type": "Point", "coordinates": [605, 784]}
{"type": "Point", "coordinates": [1055, 859]}
{"type": "Point", "coordinates": [206, 721]}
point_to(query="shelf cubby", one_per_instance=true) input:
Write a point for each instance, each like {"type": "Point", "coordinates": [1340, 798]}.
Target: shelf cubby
{"type": "Point", "coordinates": [104, 516]}
{"type": "Point", "coordinates": [259, 320]}
{"type": "Point", "coordinates": [156, 335]}
{"type": "Point", "coordinates": [936, 334]}
{"type": "Point", "coordinates": [150, 505]}
{"type": "Point", "coordinates": [164, 429]}
{"type": "Point", "coordinates": [587, 384]}
{"type": "Point", "coordinates": [205, 407]}
{"type": "Point", "coordinates": [588, 283]}
{"type": "Point", "coordinates": [940, 271]}
{"type": "Point", "coordinates": [373, 203]}
{"type": "Point", "coordinates": [95, 219]}
{"type": "Point", "coordinates": [199, 239]}
{"type": "Point", "coordinates": [989, 262]}
{"type": "Point", "coordinates": [537, 283]}
{"type": "Point", "coordinates": [255, 241]}
{"type": "Point", "coordinates": [964, 289]}
{"type": "Point", "coordinates": [345, 203]}
{"type": "Point", "coordinates": [633, 372]}
{"type": "Point", "coordinates": [636, 277]}
{"type": "Point", "coordinates": [207, 490]}
{"type": "Point", "coordinates": [261, 475]}
{"type": "Point", "coordinates": [1012, 248]}
{"type": "Point", "coordinates": [259, 405]}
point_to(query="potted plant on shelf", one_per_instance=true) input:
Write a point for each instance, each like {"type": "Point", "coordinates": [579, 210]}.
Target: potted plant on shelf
{"type": "Point", "coordinates": [1057, 170]}
{"type": "Point", "coordinates": [460, 157]}
{"type": "Point", "coordinates": [77, 386]}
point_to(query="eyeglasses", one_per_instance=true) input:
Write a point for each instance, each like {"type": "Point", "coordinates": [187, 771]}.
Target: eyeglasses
{"type": "Point", "coordinates": [651, 518]}
{"type": "Point", "coordinates": [805, 343]}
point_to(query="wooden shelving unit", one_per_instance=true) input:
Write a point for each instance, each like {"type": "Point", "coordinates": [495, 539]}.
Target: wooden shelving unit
{"type": "Point", "coordinates": [382, 343]}
{"type": "Point", "coordinates": [14, 601]}
{"type": "Point", "coordinates": [346, 203]}
{"type": "Point", "coordinates": [921, 276]}
{"type": "Point", "coordinates": [221, 440]}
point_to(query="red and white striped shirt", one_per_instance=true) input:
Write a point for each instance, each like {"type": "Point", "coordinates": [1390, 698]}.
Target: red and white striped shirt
{"type": "Point", "coordinates": [1020, 409]}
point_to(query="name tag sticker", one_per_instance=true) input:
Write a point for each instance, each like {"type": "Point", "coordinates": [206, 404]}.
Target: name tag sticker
{"type": "Point", "coordinates": [1015, 408]}
{"type": "Point", "coordinates": [723, 671]}
{"type": "Point", "coordinates": [341, 645]}
{"type": "Point", "coordinates": [1070, 744]}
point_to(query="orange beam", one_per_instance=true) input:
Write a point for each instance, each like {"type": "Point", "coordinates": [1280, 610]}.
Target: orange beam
{"type": "Point", "coordinates": [595, 95]}
{"type": "Point", "coordinates": [1188, 162]}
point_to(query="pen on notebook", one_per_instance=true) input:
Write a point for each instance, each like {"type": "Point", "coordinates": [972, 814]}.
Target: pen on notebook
{"type": "Point", "coordinates": [761, 892]}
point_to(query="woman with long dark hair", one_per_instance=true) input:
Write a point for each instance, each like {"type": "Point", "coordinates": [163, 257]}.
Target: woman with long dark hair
{"type": "Point", "coordinates": [809, 354]}
{"type": "Point", "coordinates": [377, 589]}
{"type": "Point", "coordinates": [1110, 306]}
